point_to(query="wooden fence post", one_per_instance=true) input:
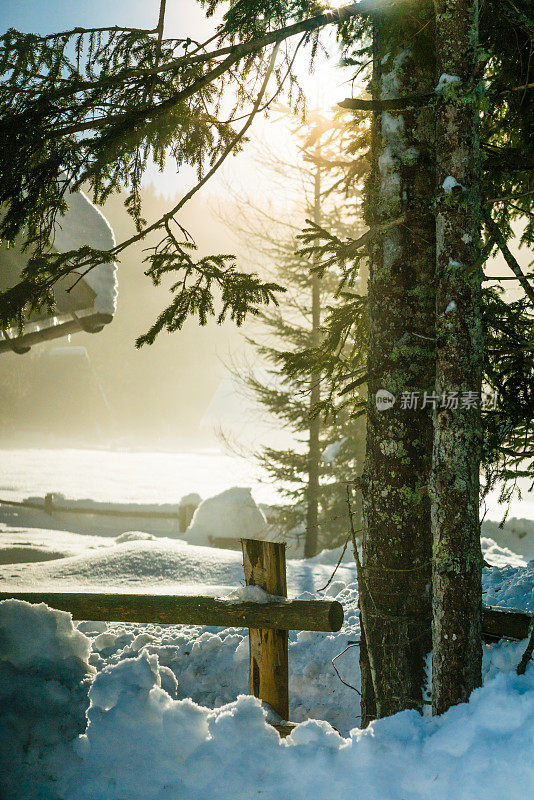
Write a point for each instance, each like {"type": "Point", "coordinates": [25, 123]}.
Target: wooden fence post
{"type": "Point", "coordinates": [265, 566]}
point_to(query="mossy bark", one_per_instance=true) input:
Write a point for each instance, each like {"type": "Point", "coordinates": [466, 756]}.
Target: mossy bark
{"type": "Point", "coordinates": [457, 560]}
{"type": "Point", "coordinates": [397, 536]}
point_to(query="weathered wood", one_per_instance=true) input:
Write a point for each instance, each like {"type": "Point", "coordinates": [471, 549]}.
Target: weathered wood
{"type": "Point", "coordinates": [185, 515]}
{"type": "Point", "coordinates": [498, 623]}
{"type": "Point", "coordinates": [21, 344]}
{"type": "Point", "coordinates": [284, 728]}
{"type": "Point", "coordinates": [265, 566]}
{"type": "Point", "coordinates": [49, 507]}
{"type": "Point", "coordinates": [309, 615]}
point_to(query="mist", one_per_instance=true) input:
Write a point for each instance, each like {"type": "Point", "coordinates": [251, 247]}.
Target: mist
{"type": "Point", "coordinates": [95, 390]}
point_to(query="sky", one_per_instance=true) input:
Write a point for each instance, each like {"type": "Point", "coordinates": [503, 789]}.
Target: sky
{"type": "Point", "coordinates": [323, 87]}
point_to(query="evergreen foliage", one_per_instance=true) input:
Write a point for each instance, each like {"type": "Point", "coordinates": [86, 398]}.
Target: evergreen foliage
{"type": "Point", "coordinates": [507, 144]}
{"type": "Point", "coordinates": [95, 106]}
{"type": "Point", "coordinates": [286, 335]}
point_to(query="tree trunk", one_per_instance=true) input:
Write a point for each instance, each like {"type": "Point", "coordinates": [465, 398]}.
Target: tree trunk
{"type": "Point", "coordinates": [457, 606]}
{"type": "Point", "coordinates": [314, 446]}
{"type": "Point", "coordinates": [397, 536]}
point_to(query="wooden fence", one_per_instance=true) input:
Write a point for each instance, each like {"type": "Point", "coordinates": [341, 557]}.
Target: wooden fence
{"type": "Point", "coordinates": [268, 623]}
{"type": "Point", "coordinates": [183, 515]}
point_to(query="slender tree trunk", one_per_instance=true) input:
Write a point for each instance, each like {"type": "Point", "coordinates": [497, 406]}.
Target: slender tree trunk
{"type": "Point", "coordinates": [457, 606]}
{"type": "Point", "coordinates": [314, 446]}
{"type": "Point", "coordinates": [397, 537]}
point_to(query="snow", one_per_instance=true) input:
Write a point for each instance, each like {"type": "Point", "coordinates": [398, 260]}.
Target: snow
{"type": "Point", "coordinates": [517, 534]}
{"type": "Point", "coordinates": [451, 307]}
{"type": "Point", "coordinates": [331, 451]}
{"type": "Point", "coordinates": [146, 739]}
{"type": "Point", "coordinates": [445, 81]}
{"type": "Point", "coordinates": [231, 514]}
{"type": "Point", "coordinates": [83, 224]}
{"type": "Point", "coordinates": [391, 78]}
{"type": "Point", "coordinates": [450, 184]}
{"type": "Point", "coordinates": [251, 594]}
{"type": "Point", "coordinates": [116, 711]}
{"type": "Point", "coordinates": [511, 586]}
{"type": "Point", "coordinates": [44, 674]}
{"type": "Point", "coordinates": [161, 564]}
{"type": "Point", "coordinates": [114, 476]}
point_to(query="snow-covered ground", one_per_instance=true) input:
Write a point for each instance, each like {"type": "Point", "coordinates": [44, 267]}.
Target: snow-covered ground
{"type": "Point", "coordinates": [116, 711]}
{"type": "Point", "coordinates": [167, 712]}
{"type": "Point", "coordinates": [123, 476]}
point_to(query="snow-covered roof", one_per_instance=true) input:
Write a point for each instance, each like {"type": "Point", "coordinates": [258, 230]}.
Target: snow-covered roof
{"type": "Point", "coordinates": [91, 302]}
{"type": "Point", "coordinates": [84, 224]}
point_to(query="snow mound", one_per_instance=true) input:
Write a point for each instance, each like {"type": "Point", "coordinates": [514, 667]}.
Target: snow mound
{"type": "Point", "coordinates": [140, 744]}
{"type": "Point", "coordinates": [134, 536]}
{"type": "Point", "coordinates": [19, 545]}
{"type": "Point", "coordinates": [510, 586]}
{"type": "Point", "coordinates": [44, 670]}
{"type": "Point", "coordinates": [161, 564]}
{"type": "Point", "coordinates": [252, 594]}
{"type": "Point", "coordinates": [231, 514]}
{"type": "Point", "coordinates": [516, 534]}
{"type": "Point", "coordinates": [167, 719]}
{"type": "Point", "coordinates": [140, 564]}
{"type": "Point", "coordinates": [499, 556]}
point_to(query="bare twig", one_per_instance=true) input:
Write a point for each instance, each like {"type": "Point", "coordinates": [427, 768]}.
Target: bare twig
{"type": "Point", "coordinates": [362, 593]}
{"type": "Point", "coordinates": [527, 655]}
{"type": "Point", "coordinates": [337, 566]}
{"type": "Point", "coordinates": [348, 647]}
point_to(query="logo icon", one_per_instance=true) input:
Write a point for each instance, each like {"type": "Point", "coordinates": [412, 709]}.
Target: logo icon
{"type": "Point", "coordinates": [384, 400]}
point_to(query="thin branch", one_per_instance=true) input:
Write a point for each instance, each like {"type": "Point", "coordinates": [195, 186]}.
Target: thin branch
{"type": "Point", "coordinates": [506, 278]}
{"type": "Point", "coordinates": [357, 244]}
{"type": "Point", "coordinates": [500, 241]}
{"type": "Point", "coordinates": [239, 51]}
{"type": "Point", "coordinates": [170, 214]}
{"type": "Point", "coordinates": [150, 111]}
{"type": "Point", "coordinates": [391, 104]}
{"type": "Point", "coordinates": [506, 197]}
{"type": "Point", "coordinates": [335, 570]}
{"type": "Point", "coordinates": [521, 88]}
{"type": "Point", "coordinates": [348, 647]}
{"type": "Point", "coordinates": [362, 593]}
{"type": "Point", "coordinates": [81, 31]}
{"type": "Point", "coordinates": [277, 92]}
{"type": "Point", "coordinates": [527, 655]}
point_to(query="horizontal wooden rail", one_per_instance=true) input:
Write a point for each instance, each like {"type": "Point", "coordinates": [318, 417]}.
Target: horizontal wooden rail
{"type": "Point", "coordinates": [92, 323]}
{"type": "Point", "coordinates": [102, 512]}
{"type": "Point", "coordinates": [498, 622]}
{"type": "Point", "coordinates": [302, 615]}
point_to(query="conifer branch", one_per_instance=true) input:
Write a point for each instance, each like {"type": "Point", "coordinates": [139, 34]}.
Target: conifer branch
{"type": "Point", "coordinates": [500, 241]}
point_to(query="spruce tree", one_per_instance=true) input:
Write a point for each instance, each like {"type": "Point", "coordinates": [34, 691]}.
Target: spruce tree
{"type": "Point", "coordinates": [312, 474]}
{"type": "Point", "coordinates": [92, 106]}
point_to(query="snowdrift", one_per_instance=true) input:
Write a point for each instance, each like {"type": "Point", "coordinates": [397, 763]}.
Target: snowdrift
{"type": "Point", "coordinates": [232, 514]}
{"type": "Point", "coordinates": [141, 743]}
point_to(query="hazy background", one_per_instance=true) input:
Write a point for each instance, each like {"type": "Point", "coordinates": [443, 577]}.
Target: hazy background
{"type": "Point", "coordinates": [98, 390]}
